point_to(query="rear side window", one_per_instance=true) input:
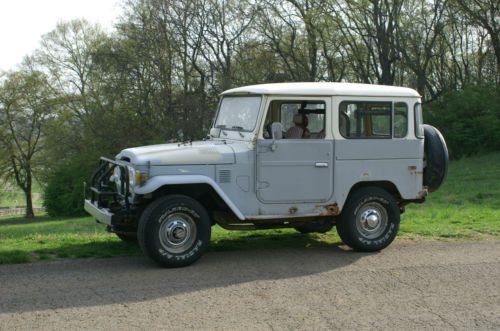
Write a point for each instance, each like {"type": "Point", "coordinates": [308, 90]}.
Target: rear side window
{"type": "Point", "coordinates": [400, 120]}
{"type": "Point", "coordinates": [362, 119]}
{"type": "Point", "coordinates": [419, 121]}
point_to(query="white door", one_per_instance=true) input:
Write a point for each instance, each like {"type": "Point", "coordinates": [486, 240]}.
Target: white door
{"type": "Point", "coordinates": [299, 167]}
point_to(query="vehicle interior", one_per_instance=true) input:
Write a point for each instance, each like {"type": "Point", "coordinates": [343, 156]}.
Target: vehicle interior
{"type": "Point", "coordinates": [361, 119]}
{"type": "Point", "coordinates": [301, 119]}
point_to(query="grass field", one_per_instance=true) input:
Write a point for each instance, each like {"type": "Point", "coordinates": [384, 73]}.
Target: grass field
{"type": "Point", "coordinates": [466, 207]}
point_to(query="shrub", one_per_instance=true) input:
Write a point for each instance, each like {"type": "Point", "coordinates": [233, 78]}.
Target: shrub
{"type": "Point", "coordinates": [64, 188]}
{"type": "Point", "coordinates": [469, 120]}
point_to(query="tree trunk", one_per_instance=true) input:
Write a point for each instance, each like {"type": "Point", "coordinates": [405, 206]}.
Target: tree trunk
{"type": "Point", "coordinates": [203, 103]}
{"type": "Point", "coordinates": [29, 203]}
{"type": "Point", "coordinates": [421, 83]}
{"type": "Point", "coordinates": [495, 41]}
{"type": "Point", "coordinates": [227, 81]}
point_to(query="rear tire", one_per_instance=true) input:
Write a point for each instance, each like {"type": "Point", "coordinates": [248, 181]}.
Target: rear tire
{"type": "Point", "coordinates": [370, 220]}
{"type": "Point", "coordinates": [315, 227]}
{"type": "Point", "coordinates": [174, 231]}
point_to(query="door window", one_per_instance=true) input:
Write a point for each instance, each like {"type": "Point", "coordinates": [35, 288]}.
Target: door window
{"type": "Point", "coordinates": [301, 119]}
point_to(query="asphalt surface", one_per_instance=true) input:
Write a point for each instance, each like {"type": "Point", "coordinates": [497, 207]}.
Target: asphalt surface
{"type": "Point", "coordinates": [422, 285]}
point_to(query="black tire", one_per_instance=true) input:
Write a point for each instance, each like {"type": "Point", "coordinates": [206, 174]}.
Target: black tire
{"type": "Point", "coordinates": [315, 227]}
{"type": "Point", "coordinates": [174, 231]}
{"type": "Point", "coordinates": [130, 238]}
{"type": "Point", "coordinates": [370, 220]}
{"type": "Point", "coordinates": [436, 158]}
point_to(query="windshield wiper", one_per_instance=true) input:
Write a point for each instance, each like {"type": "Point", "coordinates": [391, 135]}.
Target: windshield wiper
{"type": "Point", "coordinates": [239, 128]}
{"type": "Point", "coordinates": [221, 127]}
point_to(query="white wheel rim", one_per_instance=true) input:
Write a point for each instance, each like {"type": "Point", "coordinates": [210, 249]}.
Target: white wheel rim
{"type": "Point", "coordinates": [177, 232]}
{"type": "Point", "coordinates": [372, 220]}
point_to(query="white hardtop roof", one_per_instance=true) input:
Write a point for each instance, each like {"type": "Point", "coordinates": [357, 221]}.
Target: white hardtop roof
{"type": "Point", "coordinates": [325, 89]}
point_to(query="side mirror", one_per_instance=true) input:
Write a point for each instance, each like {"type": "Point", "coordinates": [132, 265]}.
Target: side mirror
{"type": "Point", "coordinates": [214, 132]}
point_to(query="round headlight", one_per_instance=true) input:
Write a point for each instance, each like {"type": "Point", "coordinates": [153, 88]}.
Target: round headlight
{"type": "Point", "coordinates": [116, 175]}
{"type": "Point", "coordinates": [116, 178]}
{"type": "Point", "coordinates": [131, 176]}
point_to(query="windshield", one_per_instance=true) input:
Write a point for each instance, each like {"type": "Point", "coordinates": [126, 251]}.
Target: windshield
{"type": "Point", "coordinates": [238, 113]}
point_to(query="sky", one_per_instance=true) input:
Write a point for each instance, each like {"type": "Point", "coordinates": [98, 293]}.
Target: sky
{"type": "Point", "coordinates": [23, 22]}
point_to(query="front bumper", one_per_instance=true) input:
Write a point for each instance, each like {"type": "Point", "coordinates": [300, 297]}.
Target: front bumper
{"type": "Point", "coordinates": [102, 215]}
{"type": "Point", "coordinates": [105, 195]}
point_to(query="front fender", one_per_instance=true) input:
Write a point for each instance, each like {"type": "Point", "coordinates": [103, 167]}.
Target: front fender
{"type": "Point", "coordinates": [156, 182]}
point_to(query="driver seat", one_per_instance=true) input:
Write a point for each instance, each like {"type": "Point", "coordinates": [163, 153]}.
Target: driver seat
{"type": "Point", "coordinates": [296, 131]}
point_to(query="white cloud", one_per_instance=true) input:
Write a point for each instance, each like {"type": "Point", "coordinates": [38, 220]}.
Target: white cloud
{"type": "Point", "coordinates": [23, 22]}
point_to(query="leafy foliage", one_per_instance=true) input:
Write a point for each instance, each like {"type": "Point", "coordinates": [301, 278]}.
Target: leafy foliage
{"type": "Point", "coordinates": [26, 103]}
{"type": "Point", "coordinates": [469, 120]}
{"type": "Point", "coordinates": [64, 191]}
{"type": "Point", "coordinates": [157, 76]}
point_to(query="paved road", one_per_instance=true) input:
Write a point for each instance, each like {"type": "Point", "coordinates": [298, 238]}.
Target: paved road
{"type": "Point", "coordinates": [422, 285]}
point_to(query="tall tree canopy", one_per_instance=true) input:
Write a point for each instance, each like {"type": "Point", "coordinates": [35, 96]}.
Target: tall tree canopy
{"type": "Point", "coordinates": [26, 103]}
{"type": "Point", "coordinates": [157, 75]}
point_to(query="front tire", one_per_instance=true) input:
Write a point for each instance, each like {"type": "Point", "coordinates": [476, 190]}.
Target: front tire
{"type": "Point", "coordinates": [370, 220]}
{"type": "Point", "coordinates": [174, 231]}
{"type": "Point", "coordinates": [129, 238]}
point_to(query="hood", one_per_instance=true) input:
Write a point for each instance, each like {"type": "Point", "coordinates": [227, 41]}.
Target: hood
{"type": "Point", "coordinates": [201, 152]}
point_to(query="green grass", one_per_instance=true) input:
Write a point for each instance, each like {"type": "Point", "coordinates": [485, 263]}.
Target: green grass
{"type": "Point", "coordinates": [466, 207]}
{"type": "Point", "coordinates": [45, 238]}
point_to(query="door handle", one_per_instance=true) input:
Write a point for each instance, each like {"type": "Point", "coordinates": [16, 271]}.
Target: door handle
{"type": "Point", "coordinates": [321, 164]}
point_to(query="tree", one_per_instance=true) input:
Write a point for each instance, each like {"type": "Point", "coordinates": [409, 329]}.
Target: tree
{"type": "Point", "coordinates": [225, 25]}
{"type": "Point", "coordinates": [417, 36]}
{"type": "Point", "coordinates": [25, 105]}
{"type": "Point", "coordinates": [66, 54]}
{"type": "Point", "coordinates": [486, 14]}
{"type": "Point", "coordinates": [370, 29]}
{"type": "Point", "coordinates": [187, 26]}
{"type": "Point", "coordinates": [305, 37]}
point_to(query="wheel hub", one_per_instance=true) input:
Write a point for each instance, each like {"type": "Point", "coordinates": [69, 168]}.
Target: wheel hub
{"type": "Point", "coordinates": [177, 232]}
{"type": "Point", "coordinates": [372, 220]}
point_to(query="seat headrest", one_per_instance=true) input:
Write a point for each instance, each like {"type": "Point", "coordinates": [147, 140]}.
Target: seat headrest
{"type": "Point", "coordinates": [298, 119]}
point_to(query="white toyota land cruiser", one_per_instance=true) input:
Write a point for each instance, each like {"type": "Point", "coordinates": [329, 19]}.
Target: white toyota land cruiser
{"type": "Point", "coordinates": [304, 155]}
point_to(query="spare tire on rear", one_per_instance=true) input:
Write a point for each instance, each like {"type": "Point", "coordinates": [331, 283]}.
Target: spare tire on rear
{"type": "Point", "coordinates": [436, 158]}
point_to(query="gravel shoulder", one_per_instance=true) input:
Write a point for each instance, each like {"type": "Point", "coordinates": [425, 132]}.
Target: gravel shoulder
{"type": "Point", "coordinates": [424, 285]}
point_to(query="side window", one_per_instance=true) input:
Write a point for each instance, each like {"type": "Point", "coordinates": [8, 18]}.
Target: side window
{"type": "Point", "coordinates": [301, 119]}
{"type": "Point", "coordinates": [419, 122]}
{"type": "Point", "coordinates": [361, 119]}
{"type": "Point", "coordinates": [400, 120]}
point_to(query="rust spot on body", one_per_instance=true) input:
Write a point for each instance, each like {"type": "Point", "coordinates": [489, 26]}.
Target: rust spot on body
{"type": "Point", "coordinates": [422, 194]}
{"type": "Point", "coordinates": [330, 210]}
